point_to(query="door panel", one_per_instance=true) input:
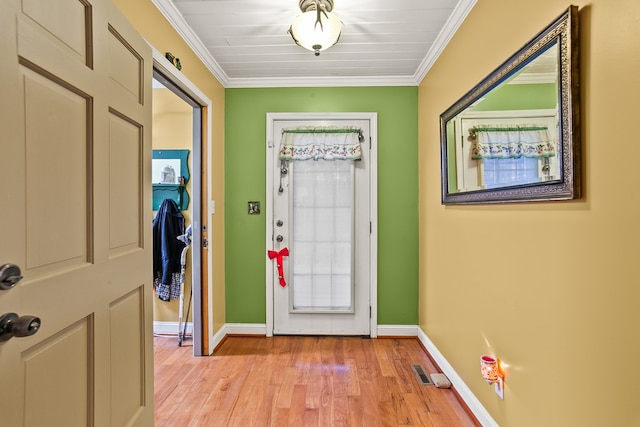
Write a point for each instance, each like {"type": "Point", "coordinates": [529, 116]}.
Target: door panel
{"type": "Point", "coordinates": [324, 207]}
{"type": "Point", "coordinates": [126, 316]}
{"type": "Point", "coordinates": [125, 169]}
{"type": "Point", "coordinates": [55, 111]}
{"type": "Point", "coordinates": [70, 36]}
{"type": "Point", "coordinates": [69, 350]}
{"type": "Point", "coordinates": [76, 177]}
{"type": "Point", "coordinates": [125, 65]}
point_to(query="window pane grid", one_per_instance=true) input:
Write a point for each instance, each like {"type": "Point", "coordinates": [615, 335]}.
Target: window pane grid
{"type": "Point", "coordinates": [321, 243]}
{"type": "Point", "coordinates": [500, 172]}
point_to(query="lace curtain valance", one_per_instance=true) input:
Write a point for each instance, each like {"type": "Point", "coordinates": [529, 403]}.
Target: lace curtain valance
{"type": "Point", "coordinates": [510, 142]}
{"type": "Point", "coordinates": [327, 143]}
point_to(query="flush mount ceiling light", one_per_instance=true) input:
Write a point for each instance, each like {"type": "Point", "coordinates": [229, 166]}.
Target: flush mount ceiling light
{"type": "Point", "coordinates": [317, 28]}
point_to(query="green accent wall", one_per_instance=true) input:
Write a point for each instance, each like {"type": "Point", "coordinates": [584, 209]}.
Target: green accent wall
{"type": "Point", "coordinates": [245, 146]}
{"type": "Point", "coordinates": [520, 97]}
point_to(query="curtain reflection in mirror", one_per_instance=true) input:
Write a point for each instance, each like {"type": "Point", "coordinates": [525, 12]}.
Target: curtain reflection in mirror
{"type": "Point", "coordinates": [512, 155]}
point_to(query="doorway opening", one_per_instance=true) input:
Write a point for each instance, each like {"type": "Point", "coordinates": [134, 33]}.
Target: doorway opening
{"type": "Point", "coordinates": [189, 117]}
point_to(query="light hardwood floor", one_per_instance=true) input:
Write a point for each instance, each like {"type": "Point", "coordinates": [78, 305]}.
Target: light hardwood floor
{"type": "Point", "coordinates": [300, 381]}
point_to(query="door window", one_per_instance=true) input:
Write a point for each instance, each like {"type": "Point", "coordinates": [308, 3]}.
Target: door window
{"type": "Point", "coordinates": [322, 239]}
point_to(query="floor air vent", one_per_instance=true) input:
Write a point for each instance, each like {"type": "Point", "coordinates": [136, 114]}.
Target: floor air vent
{"type": "Point", "coordinates": [421, 375]}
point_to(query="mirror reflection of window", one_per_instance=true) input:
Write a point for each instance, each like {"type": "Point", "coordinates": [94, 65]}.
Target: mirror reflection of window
{"type": "Point", "coordinates": [514, 151]}
{"type": "Point", "coordinates": [510, 154]}
{"type": "Point", "coordinates": [533, 88]}
{"type": "Point", "coordinates": [502, 172]}
{"type": "Point", "coordinates": [527, 97]}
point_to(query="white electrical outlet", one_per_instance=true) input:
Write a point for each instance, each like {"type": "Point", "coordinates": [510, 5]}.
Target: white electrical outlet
{"type": "Point", "coordinates": [498, 386]}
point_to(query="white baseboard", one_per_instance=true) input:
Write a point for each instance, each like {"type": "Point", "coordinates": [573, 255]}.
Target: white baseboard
{"type": "Point", "coordinates": [235, 329]}
{"type": "Point", "coordinates": [170, 328]}
{"type": "Point", "coordinates": [261, 329]}
{"type": "Point", "coordinates": [245, 329]}
{"type": "Point", "coordinates": [461, 388]}
{"type": "Point", "coordinates": [218, 337]}
{"type": "Point", "coordinates": [397, 330]}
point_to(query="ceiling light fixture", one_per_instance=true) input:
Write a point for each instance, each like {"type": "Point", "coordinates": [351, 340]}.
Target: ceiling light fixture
{"type": "Point", "coordinates": [317, 28]}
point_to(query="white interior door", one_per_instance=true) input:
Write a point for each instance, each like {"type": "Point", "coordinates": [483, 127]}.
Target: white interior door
{"type": "Point", "coordinates": [321, 214]}
{"type": "Point", "coordinates": [75, 115]}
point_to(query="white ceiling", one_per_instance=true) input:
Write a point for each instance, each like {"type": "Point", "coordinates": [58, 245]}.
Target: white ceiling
{"type": "Point", "coordinates": [245, 43]}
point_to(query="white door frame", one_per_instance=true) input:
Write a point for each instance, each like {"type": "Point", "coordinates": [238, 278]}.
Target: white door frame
{"type": "Point", "coordinates": [373, 206]}
{"type": "Point", "coordinates": [181, 81]}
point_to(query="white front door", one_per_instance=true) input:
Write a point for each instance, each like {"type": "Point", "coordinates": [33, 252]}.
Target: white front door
{"type": "Point", "coordinates": [76, 218]}
{"type": "Point", "coordinates": [320, 211]}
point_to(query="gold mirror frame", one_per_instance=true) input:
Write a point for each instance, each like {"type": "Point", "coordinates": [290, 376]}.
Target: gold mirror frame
{"type": "Point", "coordinates": [563, 33]}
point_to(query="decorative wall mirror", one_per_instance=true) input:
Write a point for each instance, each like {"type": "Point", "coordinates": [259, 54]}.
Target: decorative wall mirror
{"type": "Point", "coordinates": [516, 135]}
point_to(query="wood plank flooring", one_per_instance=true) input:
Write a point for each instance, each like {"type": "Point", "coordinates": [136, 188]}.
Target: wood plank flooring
{"type": "Point", "coordinates": [300, 381]}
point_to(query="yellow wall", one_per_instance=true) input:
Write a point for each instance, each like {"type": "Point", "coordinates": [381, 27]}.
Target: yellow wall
{"type": "Point", "coordinates": [173, 129]}
{"type": "Point", "coordinates": [551, 288]}
{"type": "Point", "coordinates": [149, 22]}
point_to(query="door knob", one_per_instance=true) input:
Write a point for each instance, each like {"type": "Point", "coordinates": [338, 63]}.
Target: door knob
{"type": "Point", "coordinates": [10, 275]}
{"type": "Point", "coordinates": [12, 325]}
{"type": "Point", "coordinates": [279, 238]}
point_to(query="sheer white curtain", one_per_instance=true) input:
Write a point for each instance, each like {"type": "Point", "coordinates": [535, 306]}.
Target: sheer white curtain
{"type": "Point", "coordinates": [321, 163]}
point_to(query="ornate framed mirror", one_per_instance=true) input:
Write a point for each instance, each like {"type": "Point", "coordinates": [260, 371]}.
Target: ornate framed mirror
{"type": "Point", "coordinates": [515, 136]}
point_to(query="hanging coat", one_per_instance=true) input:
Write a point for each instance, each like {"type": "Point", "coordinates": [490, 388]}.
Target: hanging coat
{"type": "Point", "coordinates": [167, 226]}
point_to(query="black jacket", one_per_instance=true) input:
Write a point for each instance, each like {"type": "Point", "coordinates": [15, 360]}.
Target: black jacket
{"type": "Point", "coordinates": [167, 226]}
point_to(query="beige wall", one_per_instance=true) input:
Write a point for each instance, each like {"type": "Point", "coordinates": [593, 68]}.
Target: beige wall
{"type": "Point", "coordinates": [149, 22]}
{"type": "Point", "coordinates": [551, 288]}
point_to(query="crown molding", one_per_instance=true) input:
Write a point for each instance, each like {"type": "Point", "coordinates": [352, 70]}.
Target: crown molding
{"type": "Point", "coordinates": [176, 20]}
{"type": "Point", "coordinates": [533, 78]}
{"type": "Point", "coordinates": [321, 81]}
{"type": "Point", "coordinates": [458, 16]}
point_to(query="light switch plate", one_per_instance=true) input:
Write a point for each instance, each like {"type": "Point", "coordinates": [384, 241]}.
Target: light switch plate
{"type": "Point", "coordinates": [253, 208]}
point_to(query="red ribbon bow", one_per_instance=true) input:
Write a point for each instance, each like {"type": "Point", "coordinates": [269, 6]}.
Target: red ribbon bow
{"type": "Point", "coordinates": [278, 256]}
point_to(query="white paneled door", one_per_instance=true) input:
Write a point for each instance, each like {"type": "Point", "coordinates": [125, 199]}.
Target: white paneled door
{"type": "Point", "coordinates": [319, 264]}
{"type": "Point", "coordinates": [75, 320]}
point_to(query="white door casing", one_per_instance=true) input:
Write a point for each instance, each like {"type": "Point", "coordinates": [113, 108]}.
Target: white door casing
{"type": "Point", "coordinates": [281, 317]}
{"type": "Point", "coordinates": [201, 260]}
{"type": "Point", "coordinates": [76, 149]}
